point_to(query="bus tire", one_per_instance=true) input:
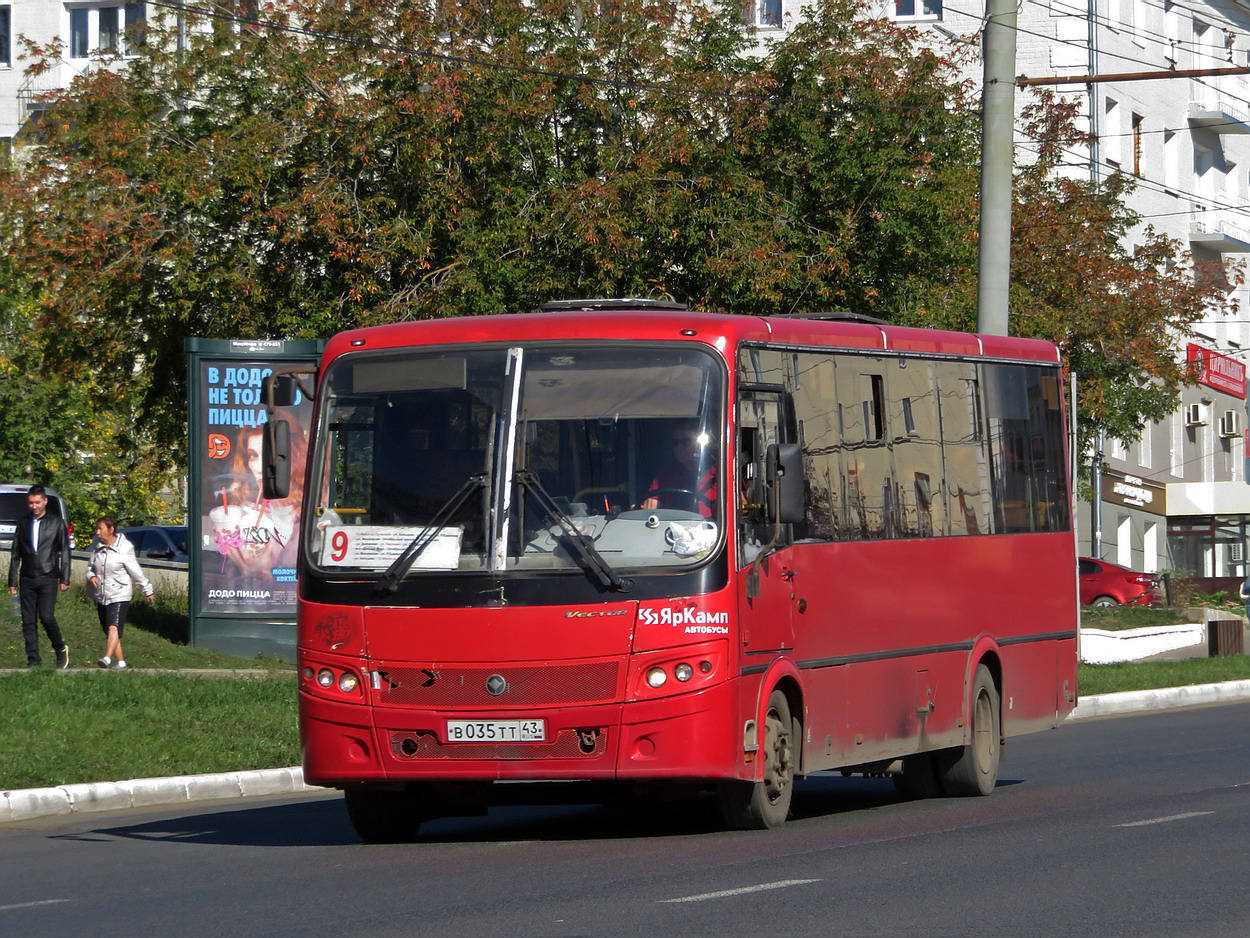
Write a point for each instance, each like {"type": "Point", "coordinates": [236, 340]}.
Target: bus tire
{"type": "Point", "coordinates": [381, 816]}
{"type": "Point", "coordinates": [765, 804]}
{"type": "Point", "coordinates": [919, 778]}
{"type": "Point", "coordinates": [972, 770]}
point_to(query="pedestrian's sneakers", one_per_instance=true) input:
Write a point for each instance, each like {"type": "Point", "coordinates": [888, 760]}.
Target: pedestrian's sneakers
{"type": "Point", "coordinates": [105, 661]}
{"type": "Point", "coordinates": [62, 658]}
{"type": "Point", "coordinates": [120, 666]}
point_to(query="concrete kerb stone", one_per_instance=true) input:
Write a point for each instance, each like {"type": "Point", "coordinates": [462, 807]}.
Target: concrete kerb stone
{"type": "Point", "coordinates": [1165, 698]}
{"type": "Point", "coordinates": [92, 797]}
{"type": "Point", "coordinates": [31, 803]}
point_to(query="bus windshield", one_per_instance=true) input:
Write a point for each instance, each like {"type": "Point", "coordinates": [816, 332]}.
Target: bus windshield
{"type": "Point", "coordinates": [517, 459]}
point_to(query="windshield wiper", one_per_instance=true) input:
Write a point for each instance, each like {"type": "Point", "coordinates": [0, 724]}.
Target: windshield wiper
{"type": "Point", "coordinates": [388, 582]}
{"type": "Point", "coordinates": [582, 545]}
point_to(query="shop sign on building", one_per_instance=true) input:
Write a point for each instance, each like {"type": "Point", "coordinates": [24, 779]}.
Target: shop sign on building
{"type": "Point", "coordinates": [1217, 371]}
{"type": "Point", "coordinates": [1134, 492]}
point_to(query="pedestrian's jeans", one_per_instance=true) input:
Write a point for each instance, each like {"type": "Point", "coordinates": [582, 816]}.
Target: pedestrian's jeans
{"type": "Point", "coordinates": [38, 595]}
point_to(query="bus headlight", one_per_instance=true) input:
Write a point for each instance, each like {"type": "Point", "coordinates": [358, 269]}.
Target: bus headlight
{"type": "Point", "coordinates": [656, 677]}
{"type": "Point", "coordinates": [348, 682]}
{"type": "Point", "coordinates": [683, 672]}
{"type": "Point", "coordinates": [325, 677]}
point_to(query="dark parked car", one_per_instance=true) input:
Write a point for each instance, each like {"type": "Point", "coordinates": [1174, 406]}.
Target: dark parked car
{"type": "Point", "coordinates": [158, 543]}
{"type": "Point", "coordinates": [13, 507]}
{"type": "Point", "coordinates": [1108, 584]}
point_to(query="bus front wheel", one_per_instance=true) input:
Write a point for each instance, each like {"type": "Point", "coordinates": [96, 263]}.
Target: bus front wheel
{"type": "Point", "coordinates": [381, 816]}
{"type": "Point", "coordinates": [765, 804]}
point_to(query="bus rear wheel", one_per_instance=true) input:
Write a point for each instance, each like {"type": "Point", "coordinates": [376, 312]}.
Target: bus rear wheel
{"type": "Point", "coordinates": [765, 804]}
{"type": "Point", "coordinates": [382, 816]}
{"type": "Point", "coordinates": [972, 770]}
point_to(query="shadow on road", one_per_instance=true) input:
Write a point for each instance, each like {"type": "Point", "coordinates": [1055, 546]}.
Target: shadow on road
{"type": "Point", "coordinates": [323, 821]}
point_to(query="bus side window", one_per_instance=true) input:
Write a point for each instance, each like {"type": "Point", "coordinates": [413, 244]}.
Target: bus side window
{"type": "Point", "coordinates": [867, 477]}
{"type": "Point", "coordinates": [1025, 444]}
{"type": "Point", "coordinates": [913, 409]}
{"type": "Point", "coordinates": [965, 486]}
{"type": "Point", "coordinates": [815, 406]}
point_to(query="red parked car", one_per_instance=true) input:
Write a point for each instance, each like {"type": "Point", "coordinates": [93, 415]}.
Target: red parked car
{"type": "Point", "coordinates": [1108, 584]}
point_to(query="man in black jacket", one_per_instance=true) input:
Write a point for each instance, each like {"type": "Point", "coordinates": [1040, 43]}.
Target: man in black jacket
{"type": "Point", "coordinates": [39, 568]}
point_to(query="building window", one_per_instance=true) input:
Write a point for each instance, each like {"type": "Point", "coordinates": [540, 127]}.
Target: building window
{"type": "Point", "coordinates": [1111, 140]}
{"type": "Point", "coordinates": [917, 9]}
{"type": "Point", "coordinates": [110, 27]}
{"type": "Point", "coordinates": [1171, 161]}
{"type": "Point", "coordinates": [6, 31]}
{"type": "Point", "coordinates": [763, 13]}
{"type": "Point", "coordinates": [110, 30]}
{"type": "Point", "coordinates": [1137, 121]}
{"type": "Point", "coordinates": [136, 17]}
{"type": "Point", "coordinates": [78, 22]}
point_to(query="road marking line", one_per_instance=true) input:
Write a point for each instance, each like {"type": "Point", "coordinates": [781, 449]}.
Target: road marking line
{"type": "Point", "coordinates": [1164, 820]}
{"type": "Point", "coordinates": [31, 905]}
{"type": "Point", "coordinates": [742, 891]}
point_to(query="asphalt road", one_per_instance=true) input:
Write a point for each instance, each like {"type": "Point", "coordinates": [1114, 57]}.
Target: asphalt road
{"type": "Point", "coordinates": [1132, 826]}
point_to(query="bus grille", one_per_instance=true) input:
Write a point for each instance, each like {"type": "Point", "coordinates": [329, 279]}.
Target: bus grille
{"type": "Point", "coordinates": [531, 686]}
{"type": "Point", "coordinates": [568, 744]}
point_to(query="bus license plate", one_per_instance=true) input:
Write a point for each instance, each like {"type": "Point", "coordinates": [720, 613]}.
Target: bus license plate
{"type": "Point", "coordinates": [496, 731]}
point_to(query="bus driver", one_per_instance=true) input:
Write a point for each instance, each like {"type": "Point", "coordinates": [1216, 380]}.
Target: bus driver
{"type": "Point", "coordinates": [688, 479]}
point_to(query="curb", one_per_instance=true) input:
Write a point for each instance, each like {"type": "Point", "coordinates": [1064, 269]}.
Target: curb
{"type": "Point", "coordinates": [1166, 698]}
{"type": "Point", "coordinates": [90, 797]}
{"type": "Point", "coordinates": [65, 800]}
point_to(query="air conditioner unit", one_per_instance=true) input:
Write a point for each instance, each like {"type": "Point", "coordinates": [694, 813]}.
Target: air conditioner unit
{"type": "Point", "coordinates": [1230, 423]}
{"type": "Point", "coordinates": [1194, 416]}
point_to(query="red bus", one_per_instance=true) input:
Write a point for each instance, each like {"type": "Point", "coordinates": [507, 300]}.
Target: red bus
{"type": "Point", "coordinates": [622, 542]}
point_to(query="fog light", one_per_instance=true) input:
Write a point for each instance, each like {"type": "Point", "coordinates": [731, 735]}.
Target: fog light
{"type": "Point", "coordinates": [308, 674]}
{"type": "Point", "coordinates": [325, 677]}
{"type": "Point", "coordinates": [683, 672]}
{"type": "Point", "coordinates": [705, 667]}
{"type": "Point", "coordinates": [656, 677]}
{"type": "Point", "coordinates": [348, 683]}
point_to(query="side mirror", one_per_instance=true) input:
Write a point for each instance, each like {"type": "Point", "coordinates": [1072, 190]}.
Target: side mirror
{"type": "Point", "coordinates": [276, 456]}
{"type": "Point", "coordinates": [783, 471]}
{"type": "Point", "coordinates": [281, 390]}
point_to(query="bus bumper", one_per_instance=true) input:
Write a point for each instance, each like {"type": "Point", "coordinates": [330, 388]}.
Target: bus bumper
{"type": "Point", "coordinates": [689, 736]}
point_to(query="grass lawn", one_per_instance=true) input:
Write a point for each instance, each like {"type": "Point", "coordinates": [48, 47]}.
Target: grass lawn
{"type": "Point", "coordinates": [89, 726]}
{"type": "Point", "coordinates": [1146, 675]}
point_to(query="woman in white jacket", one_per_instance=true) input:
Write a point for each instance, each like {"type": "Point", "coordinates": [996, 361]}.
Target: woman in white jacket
{"type": "Point", "coordinates": [111, 573]}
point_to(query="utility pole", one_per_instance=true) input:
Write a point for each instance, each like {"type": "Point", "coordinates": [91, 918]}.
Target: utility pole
{"type": "Point", "coordinates": [998, 114]}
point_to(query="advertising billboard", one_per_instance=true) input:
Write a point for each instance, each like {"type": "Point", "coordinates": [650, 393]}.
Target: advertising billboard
{"type": "Point", "coordinates": [243, 547]}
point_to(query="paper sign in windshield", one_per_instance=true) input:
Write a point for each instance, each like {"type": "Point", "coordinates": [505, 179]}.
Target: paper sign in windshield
{"type": "Point", "coordinates": [374, 547]}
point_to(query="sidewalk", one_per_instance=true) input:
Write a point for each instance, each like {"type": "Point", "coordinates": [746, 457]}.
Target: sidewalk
{"type": "Point", "coordinates": [28, 804]}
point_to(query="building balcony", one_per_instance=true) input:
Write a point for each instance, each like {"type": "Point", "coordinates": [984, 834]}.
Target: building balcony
{"type": "Point", "coordinates": [1216, 231]}
{"type": "Point", "coordinates": [1222, 118]}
